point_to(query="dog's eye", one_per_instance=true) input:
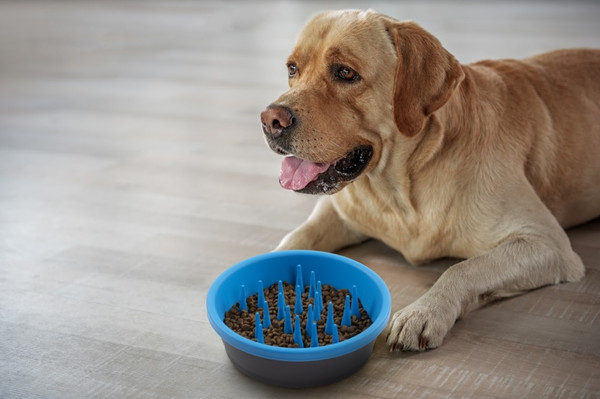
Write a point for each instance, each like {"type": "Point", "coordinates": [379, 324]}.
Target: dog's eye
{"type": "Point", "coordinates": [347, 74]}
{"type": "Point", "coordinates": [292, 70]}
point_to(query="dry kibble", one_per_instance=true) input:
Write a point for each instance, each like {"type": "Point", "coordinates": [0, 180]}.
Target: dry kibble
{"type": "Point", "coordinates": [243, 322]}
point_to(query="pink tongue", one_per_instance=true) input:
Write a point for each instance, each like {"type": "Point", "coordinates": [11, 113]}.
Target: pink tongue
{"type": "Point", "coordinates": [296, 173]}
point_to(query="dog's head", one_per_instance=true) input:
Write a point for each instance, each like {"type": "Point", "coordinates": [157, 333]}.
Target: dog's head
{"type": "Point", "coordinates": [354, 77]}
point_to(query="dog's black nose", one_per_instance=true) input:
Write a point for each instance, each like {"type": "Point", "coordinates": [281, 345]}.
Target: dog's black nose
{"type": "Point", "coordinates": [275, 119]}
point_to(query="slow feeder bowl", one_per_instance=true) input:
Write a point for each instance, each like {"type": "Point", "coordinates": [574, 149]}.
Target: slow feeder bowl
{"type": "Point", "coordinates": [298, 367]}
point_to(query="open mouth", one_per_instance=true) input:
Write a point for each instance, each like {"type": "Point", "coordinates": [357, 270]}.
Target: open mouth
{"type": "Point", "coordinates": [323, 178]}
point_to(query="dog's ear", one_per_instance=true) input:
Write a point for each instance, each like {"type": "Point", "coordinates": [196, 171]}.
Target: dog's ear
{"type": "Point", "coordinates": [426, 75]}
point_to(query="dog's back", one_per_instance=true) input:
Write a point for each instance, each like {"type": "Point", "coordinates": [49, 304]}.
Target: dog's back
{"type": "Point", "coordinates": [556, 109]}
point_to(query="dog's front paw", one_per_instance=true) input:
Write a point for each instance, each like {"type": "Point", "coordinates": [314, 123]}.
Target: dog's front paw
{"type": "Point", "coordinates": [419, 326]}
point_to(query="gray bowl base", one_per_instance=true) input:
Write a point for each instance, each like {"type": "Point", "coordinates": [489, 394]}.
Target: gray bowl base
{"type": "Point", "coordinates": [299, 374]}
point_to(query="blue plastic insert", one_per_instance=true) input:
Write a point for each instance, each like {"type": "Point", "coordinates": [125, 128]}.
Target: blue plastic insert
{"type": "Point", "coordinates": [332, 269]}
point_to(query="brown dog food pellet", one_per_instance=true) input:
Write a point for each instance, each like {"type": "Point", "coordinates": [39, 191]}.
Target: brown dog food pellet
{"type": "Point", "coordinates": [243, 322]}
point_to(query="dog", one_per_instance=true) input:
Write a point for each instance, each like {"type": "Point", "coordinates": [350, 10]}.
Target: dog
{"type": "Point", "coordinates": [486, 162]}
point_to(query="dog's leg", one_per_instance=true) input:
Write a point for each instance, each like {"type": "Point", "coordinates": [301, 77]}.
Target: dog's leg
{"type": "Point", "coordinates": [522, 262]}
{"type": "Point", "coordinates": [324, 230]}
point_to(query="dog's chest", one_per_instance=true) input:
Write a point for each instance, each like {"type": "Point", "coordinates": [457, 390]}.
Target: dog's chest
{"type": "Point", "coordinates": [418, 236]}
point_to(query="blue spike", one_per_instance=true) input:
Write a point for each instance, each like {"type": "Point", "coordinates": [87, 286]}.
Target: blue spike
{"type": "Point", "coordinates": [243, 305]}
{"type": "Point", "coordinates": [299, 277]}
{"type": "Point", "coordinates": [316, 313]}
{"type": "Point", "coordinates": [318, 307]}
{"type": "Point", "coordinates": [280, 306]}
{"type": "Point", "coordinates": [261, 294]}
{"type": "Point", "coordinates": [298, 333]}
{"type": "Point", "coordinates": [258, 331]}
{"type": "Point", "coordinates": [287, 323]}
{"type": "Point", "coordinates": [309, 314]}
{"type": "Point", "coordinates": [308, 329]}
{"type": "Point", "coordinates": [329, 323]}
{"type": "Point", "coordinates": [266, 315]}
{"type": "Point", "coordinates": [335, 336]}
{"type": "Point", "coordinates": [313, 285]}
{"type": "Point", "coordinates": [314, 336]}
{"type": "Point", "coordinates": [346, 320]}
{"type": "Point", "coordinates": [320, 296]}
{"type": "Point", "coordinates": [298, 305]}
{"type": "Point", "coordinates": [355, 311]}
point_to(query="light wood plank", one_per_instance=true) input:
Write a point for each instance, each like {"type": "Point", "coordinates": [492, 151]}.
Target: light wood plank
{"type": "Point", "coordinates": [133, 172]}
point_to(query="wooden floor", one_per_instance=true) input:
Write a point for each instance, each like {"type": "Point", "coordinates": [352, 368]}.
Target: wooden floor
{"type": "Point", "coordinates": [133, 172]}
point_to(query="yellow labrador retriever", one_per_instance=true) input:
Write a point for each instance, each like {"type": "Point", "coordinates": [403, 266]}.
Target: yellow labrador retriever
{"type": "Point", "coordinates": [486, 162]}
